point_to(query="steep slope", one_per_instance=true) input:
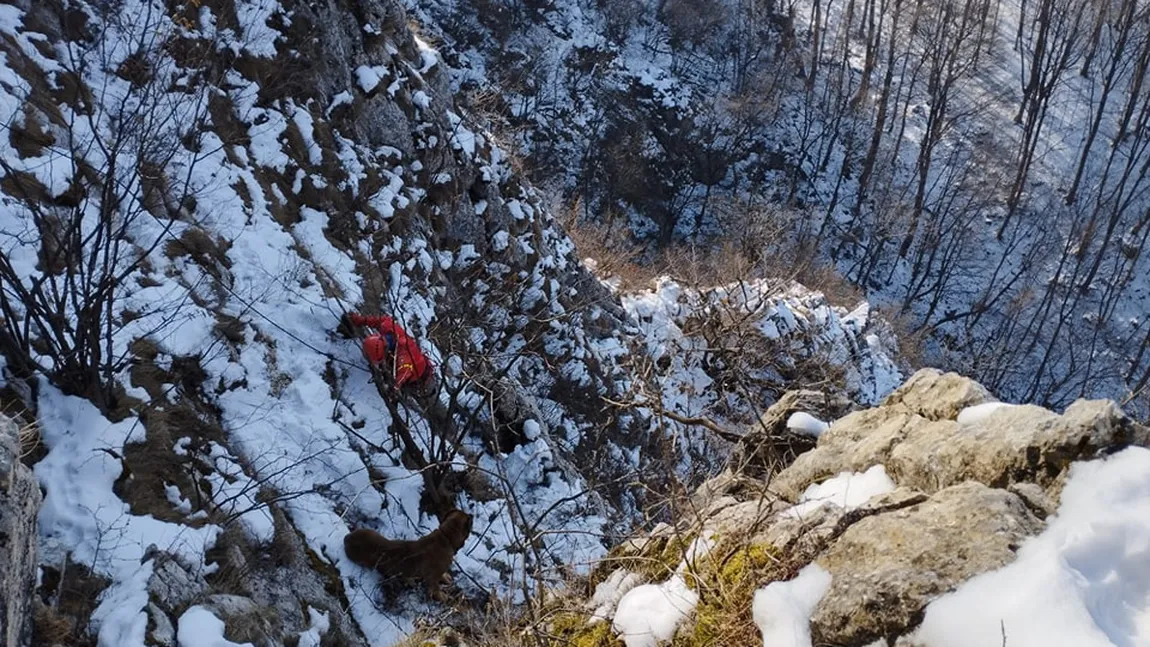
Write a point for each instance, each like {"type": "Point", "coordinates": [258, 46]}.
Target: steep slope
{"type": "Point", "coordinates": [978, 167]}
{"type": "Point", "coordinates": [193, 193]}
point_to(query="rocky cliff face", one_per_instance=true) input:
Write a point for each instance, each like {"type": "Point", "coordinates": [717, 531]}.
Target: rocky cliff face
{"type": "Point", "coordinates": [19, 503]}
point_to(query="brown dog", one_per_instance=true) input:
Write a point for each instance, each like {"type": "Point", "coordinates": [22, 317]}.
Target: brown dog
{"type": "Point", "coordinates": [427, 558]}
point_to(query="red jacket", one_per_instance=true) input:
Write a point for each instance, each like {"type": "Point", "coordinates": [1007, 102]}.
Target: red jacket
{"type": "Point", "coordinates": [408, 362]}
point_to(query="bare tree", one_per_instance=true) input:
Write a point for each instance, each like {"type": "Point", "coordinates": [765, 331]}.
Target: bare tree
{"type": "Point", "coordinates": [114, 149]}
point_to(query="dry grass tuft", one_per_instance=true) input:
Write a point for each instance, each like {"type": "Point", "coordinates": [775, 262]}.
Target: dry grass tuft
{"type": "Point", "coordinates": [68, 596]}
{"type": "Point", "coordinates": [50, 627]}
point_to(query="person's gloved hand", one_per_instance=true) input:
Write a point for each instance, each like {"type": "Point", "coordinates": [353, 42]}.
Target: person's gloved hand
{"type": "Point", "coordinates": [346, 329]}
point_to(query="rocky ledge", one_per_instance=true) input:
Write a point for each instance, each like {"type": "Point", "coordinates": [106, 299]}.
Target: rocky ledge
{"type": "Point", "coordinates": [848, 544]}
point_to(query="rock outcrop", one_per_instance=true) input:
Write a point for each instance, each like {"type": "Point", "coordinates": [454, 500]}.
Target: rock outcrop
{"type": "Point", "coordinates": [970, 480]}
{"type": "Point", "coordinates": [918, 433]}
{"type": "Point", "coordinates": [887, 567]}
{"type": "Point", "coordinates": [19, 503]}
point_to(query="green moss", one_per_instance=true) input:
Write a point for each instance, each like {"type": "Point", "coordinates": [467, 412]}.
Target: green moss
{"type": "Point", "coordinates": [571, 630]}
{"type": "Point", "coordinates": [727, 581]}
{"type": "Point", "coordinates": [657, 560]}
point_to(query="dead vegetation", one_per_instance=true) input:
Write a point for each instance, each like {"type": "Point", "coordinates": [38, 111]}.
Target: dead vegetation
{"type": "Point", "coordinates": [67, 597]}
{"type": "Point", "coordinates": [762, 252]}
{"type": "Point", "coordinates": [152, 466]}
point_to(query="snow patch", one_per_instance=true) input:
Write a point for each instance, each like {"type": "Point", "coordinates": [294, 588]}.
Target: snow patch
{"type": "Point", "coordinates": [782, 610]}
{"type": "Point", "coordinates": [369, 77]}
{"type": "Point", "coordinates": [848, 490]}
{"type": "Point", "coordinates": [975, 414]}
{"type": "Point", "coordinates": [1083, 582]}
{"type": "Point", "coordinates": [320, 623]}
{"type": "Point", "coordinates": [804, 423]}
{"type": "Point", "coordinates": [199, 627]}
{"type": "Point", "coordinates": [650, 614]}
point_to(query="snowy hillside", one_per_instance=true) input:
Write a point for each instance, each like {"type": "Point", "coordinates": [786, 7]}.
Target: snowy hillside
{"type": "Point", "coordinates": [977, 167]}
{"type": "Point", "coordinates": [193, 194]}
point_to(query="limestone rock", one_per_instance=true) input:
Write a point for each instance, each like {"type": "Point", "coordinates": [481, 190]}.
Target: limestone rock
{"type": "Point", "coordinates": [173, 584]}
{"type": "Point", "coordinates": [1013, 444]}
{"type": "Point", "coordinates": [854, 443]}
{"type": "Point", "coordinates": [815, 529]}
{"type": "Point", "coordinates": [1020, 444]}
{"type": "Point", "coordinates": [717, 492]}
{"type": "Point", "coordinates": [810, 532]}
{"type": "Point", "coordinates": [896, 499]}
{"type": "Point", "coordinates": [886, 568]}
{"type": "Point", "coordinates": [769, 446]}
{"type": "Point", "coordinates": [517, 417]}
{"type": "Point", "coordinates": [638, 545]}
{"type": "Point", "coordinates": [744, 518]}
{"type": "Point", "coordinates": [935, 395]}
{"type": "Point", "coordinates": [19, 504]}
{"type": "Point", "coordinates": [160, 629]}
{"type": "Point", "coordinates": [246, 621]}
{"type": "Point", "coordinates": [1035, 498]}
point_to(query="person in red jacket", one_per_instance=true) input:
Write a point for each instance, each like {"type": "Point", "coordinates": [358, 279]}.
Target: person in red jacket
{"type": "Point", "coordinates": [392, 346]}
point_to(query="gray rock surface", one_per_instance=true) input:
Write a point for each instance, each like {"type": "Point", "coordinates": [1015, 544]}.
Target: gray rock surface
{"type": "Point", "coordinates": [19, 504]}
{"type": "Point", "coordinates": [853, 443]}
{"type": "Point", "coordinates": [814, 530]}
{"type": "Point", "coordinates": [173, 584]}
{"type": "Point", "coordinates": [1013, 445]}
{"type": "Point", "coordinates": [886, 568]}
{"type": "Point", "coordinates": [743, 518]}
{"type": "Point", "coordinates": [923, 450]}
{"type": "Point", "coordinates": [160, 629]}
{"type": "Point", "coordinates": [935, 395]}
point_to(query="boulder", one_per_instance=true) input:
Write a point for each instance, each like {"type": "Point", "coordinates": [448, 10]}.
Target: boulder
{"type": "Point", "coordinates": [770, 446]}
{"type": "Point", "coordinates": [161, 632]}
{"type": "Point", "coordinates": [743, 518]}
{"type": "Point", "coordinates": [517, 418]}
{"type": "Point", "coordinates": [818, 527]}
{"type": "Point", "coordinates": [173, 584]}
{"type": "Point", "coordinates": [1007, 445]}
{"type": "Point", "coordinates": [19, 505]}
{"type": "Point", "coordinates": [854, 443]}
{"type": "Point", "coordinates": [935, 395]}
{"type": "Point", "coordinates": [887, 567]}
{"type": "Point", "coordinates": [1016, 444]}
{"type": "Point", "coordinates": [727, 487]}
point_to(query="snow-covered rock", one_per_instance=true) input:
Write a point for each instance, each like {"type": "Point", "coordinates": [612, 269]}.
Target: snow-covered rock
{"type": "Point", "coordinates": [932, 452]}
{"type": "Point", "coordinates": [1082, 581]}
{"type": "Point", "coordinates": [935, 395]}
{"type": "Point", "coordinates": [886, 568]}
{"type": "Point", "coordinates": [1045, 542]}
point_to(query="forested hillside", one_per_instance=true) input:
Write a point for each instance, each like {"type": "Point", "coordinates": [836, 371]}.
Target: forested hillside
{"type": "Point", "coordinates": [978, 167]}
